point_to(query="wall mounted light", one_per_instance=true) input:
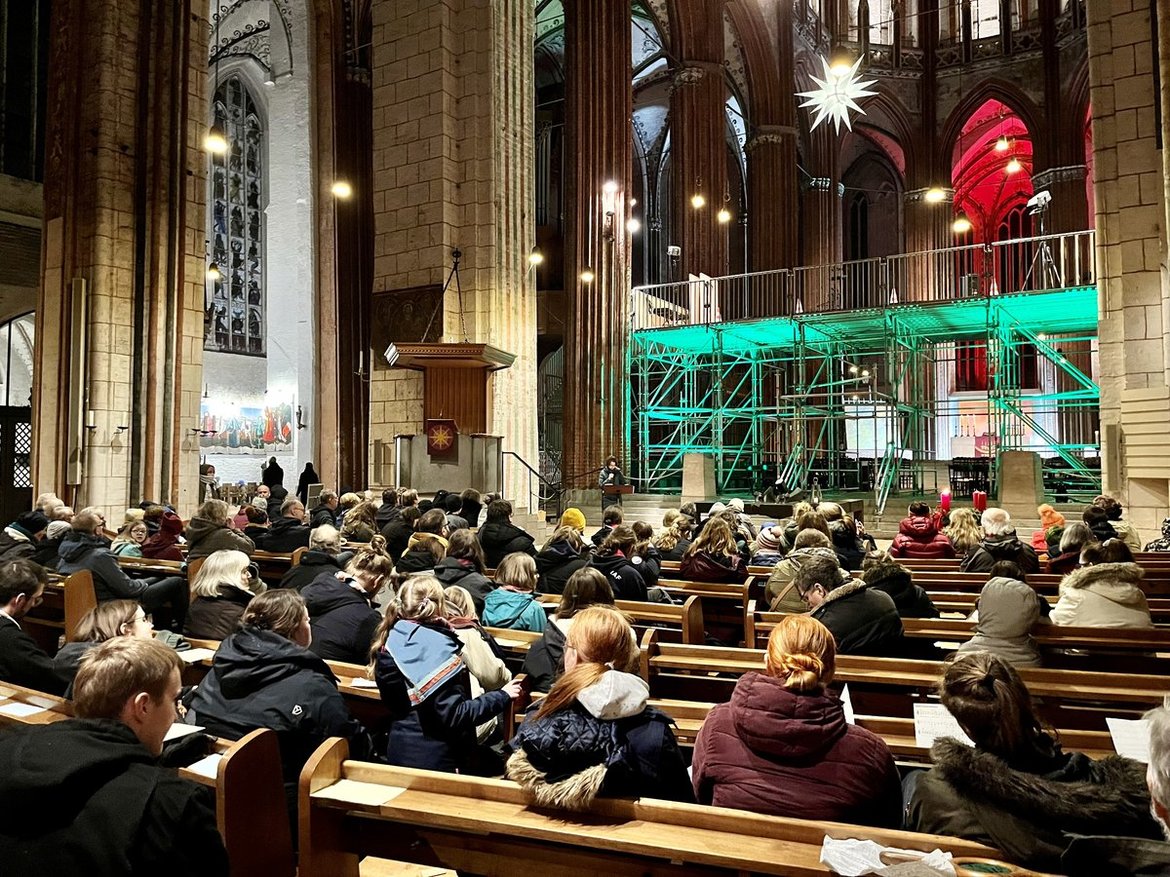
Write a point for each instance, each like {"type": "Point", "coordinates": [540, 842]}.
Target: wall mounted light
{"type": "Point", "coordinates": [536, 257]}
{"type": "Point", "coordinates": [587, 275]}
{"type": "Point", "coordinates": [342, 189]}
{"type": "Point", "coordinates": [962, 224]}
{"type": "Point", "coordinates": [934, 195]}
{"type": "Point", "coordinates": [633, 225]}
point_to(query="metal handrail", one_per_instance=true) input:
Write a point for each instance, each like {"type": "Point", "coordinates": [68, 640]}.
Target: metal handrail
{"type": "Point", "coordinates": [555, 489]}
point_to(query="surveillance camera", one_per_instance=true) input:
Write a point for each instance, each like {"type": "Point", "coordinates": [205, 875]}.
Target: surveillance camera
{"type": "Point", "coordinates": [673, 251]}
{"type": "Point", "coordinates": [1040, 200]}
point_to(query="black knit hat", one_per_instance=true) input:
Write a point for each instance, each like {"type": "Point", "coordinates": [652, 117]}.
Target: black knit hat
{"type": "Point", "coordinates": [32, 522]}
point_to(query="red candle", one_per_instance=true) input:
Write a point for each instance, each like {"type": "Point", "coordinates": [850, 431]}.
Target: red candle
{"type": "Point", "coordinates": [944, 501]}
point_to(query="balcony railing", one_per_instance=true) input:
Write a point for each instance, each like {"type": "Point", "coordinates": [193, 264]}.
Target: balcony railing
{"type": "Point", "coordinates": [1036, 264]}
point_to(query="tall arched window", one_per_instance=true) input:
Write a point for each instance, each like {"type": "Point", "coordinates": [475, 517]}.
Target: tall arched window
{"type": "Point", "coordinates": [234, 321]}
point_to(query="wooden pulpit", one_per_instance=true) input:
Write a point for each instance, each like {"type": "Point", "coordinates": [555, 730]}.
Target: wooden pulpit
{"type": "Point", "coordinates": [456, 383]}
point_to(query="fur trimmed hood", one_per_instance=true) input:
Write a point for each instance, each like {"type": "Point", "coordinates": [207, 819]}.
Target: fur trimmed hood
{"type": "Point", "coordinates": [574, 792]}
{"type": "Point", "coordinates": [1105, 577]}
{"type": "Point", "coordinates": [843, 591]}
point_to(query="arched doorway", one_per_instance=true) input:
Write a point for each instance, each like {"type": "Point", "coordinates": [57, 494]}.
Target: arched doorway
{"type": "Point", "coordinates": [17, 338]}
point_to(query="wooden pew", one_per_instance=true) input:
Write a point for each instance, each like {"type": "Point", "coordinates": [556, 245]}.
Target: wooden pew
{"type": "Point", "coordinates": [80, 598]}
{"type": "Point", "coordinates": [964, 602]}
{"type": "Point", "coordinates": [676, 622]}
{"type": "Point", "coordinates": [138, 567]}
{"type": "Point", "coordinates": [46, 623]}
{"type": "Point", "coordinates": [273, 566]}
{"type": "Point", "coordinates": [350, 810]}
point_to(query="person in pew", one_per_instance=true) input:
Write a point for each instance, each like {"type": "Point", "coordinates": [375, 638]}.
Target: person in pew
{"type": "Point", "coordinates": [221, 592]}
{"type": "Point", "coordinates": [427, 546]}
{"type": "Point", "coordinates": [464, 567]}
{"type": "Point", "coordinates": [999, 543]}
{"type": "Point", "coordinates": [132, 535]}
{"type": "Point", "coordinates": [255, 523]}
{"type": "Point", "coordinates": [767, 550]}
{"type": "Point", "coordinates": [963, 531]}
{"type": "Point", "coordinates": [673, 542]}
{"type": "Point", "coordinates": [781, 590]}
{"type": "Point", "coordinates": [544, 661]}
{"type": "Point", "coordinates": [104, 622]}
{"type": "Point", "coordinates": [862, 619]}
{"type": "Point", "coordinates": [782, 745]}
{"type": "Point", "coordinates": [1006, 611]}
{"type": "Point", "coordinates": [480, 653]}
{"type": "Point", "coordinates": [324, 556]}
{"type": "Point", "coordinates": [20, 538]}
{"type": "Point", "coordinates": [713, 556]}
{"type": "Point", "coordinates": [276, 497]}
{"type": "Point", "coordinates": [360, 524]}
{"type": "Point", "coordinates": [563, 554]}
{"type": "Point", "coordinates": [471, 507]}
{"type": "Point", "coordinates": [163, 544]}
{"type": "Point", "coordinates": [1016, 789]}
{"type": "Point", "coordinates": [288, 532]}
{"type": "Point", "coordinates": [211, 531]}
{"type": "Point", "coordinates": [500, 537]}
{"type": "Point", "coordinates": [453, 503]}
{"type": "Point", "coordinates": [513, 604]}
{"type": "Point", "coordinates": [919, 535]}
{"type": "Point", "coordinates": [1103, 856]}
{"type": "Point", "coordinates": [573, 518]}
{"type": "Point", "coordinates": [804, 517]}
{"type": "Point", "coordinates": [264, 676]}
{"type": "Point", "coordinates": [843, 531]}
{"type": "Point", "coordinates": [398, 532]}
{"type": "Point", "coordinates": [610, 518]}
{"type": "Point", "coordinates": [325, 511]}
{"type": "Point", "coordinates": [886, 574]}
{"type": "Point", "coordinates": [1067, 557]}
{"type": "Point", "coordinates": [613, 558]}
{"type": "Point", "coordinates": [1126, 531]}
{"type": "Point", "coordinates": [1049, 518]}
{"type": "Point", "coordinates": [645, 555]}
{"type": "Point", "coordinates": [1097, 520]}
{"type": "Point", "coordinates": [22, 661]}
{"type": "Point", "coordinates": [87, 795]}
{"type": "Point", "coordinates": [594, 734]}
{"type": "Point", "coordinates": [341, 605]}
{"type": "Point", "coordinates": [742, 536]}
{"type": "Point", "coordinates": [1105, 592]}
{"type": "Point", "coordinates": [84, 547]}
{"type": "Point", "coordinates": [426, 685]}
{"type": "Point", "coordinates": [389, 509]}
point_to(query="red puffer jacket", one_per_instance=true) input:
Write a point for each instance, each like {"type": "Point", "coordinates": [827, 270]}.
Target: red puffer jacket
{"type": "Point", "coordinates": [920, 537]}
{"type": "Point", "coordinates": [785, 753]}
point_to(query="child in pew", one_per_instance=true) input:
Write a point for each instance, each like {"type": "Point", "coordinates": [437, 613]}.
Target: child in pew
{"type": "Point", "coordinates": [513, 603]}
{"type": "Point", "coordinates": [594, 734]}
{"type": "Point", "coordinates": [426, 685]}
{"type": "Point", "coordinates": [544, 662]}
{"type": "Point", "coordinates": [1004, 616]}
{"type": "Point", "coordinates": [480, 653]}
{"type": "Point", "coordinates": [1016, 790]}
{"type": "Point", "coordinates": [782, 746]}
{"type": "Point", "coordinates": [104, 622]}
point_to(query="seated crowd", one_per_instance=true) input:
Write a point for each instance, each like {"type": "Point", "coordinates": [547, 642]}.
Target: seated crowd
{"type": "Point", "coordinates": [408, 588]}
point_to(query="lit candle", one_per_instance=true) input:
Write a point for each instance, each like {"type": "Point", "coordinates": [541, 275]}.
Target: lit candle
{"type": "Point", "coordinates": [944, 500]}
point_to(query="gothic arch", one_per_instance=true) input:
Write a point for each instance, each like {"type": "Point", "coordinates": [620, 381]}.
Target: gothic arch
{"type": "Point", "coordinates": [990, 89]}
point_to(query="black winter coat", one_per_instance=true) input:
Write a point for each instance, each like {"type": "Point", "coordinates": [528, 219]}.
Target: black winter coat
{"type": "Point", "coordinates": [313, 563]}
{"type": "Point", "coordinates": [321, 516]}
{"type": "Point", "coordinates": [22, 662]}
{"type": "Point", "coordinates": [470, 512]}
{"type": "Point", "coordinates": [415, 560]}
{"type": "Point", "coordinates": [677, 552]}
{"type": "Point", "coordinates": [85, 551]}
{"type": "Point", "coordinates": [625, 579]}
{"type": "Point", "coordinates": [84, 796]}
{"type": "Point", "coordinates": [386, 514]}
{"type": "Point", "coordinates": [501, 538]}
{"type": "Point", "coordinates": [217, 617]}
{"type": "Point", "coordinates": [438, 734]}
{"type": "Point", "coordinates": [649, 564]}
{"type": "Point", "coordinates": [285, 536]}
{"type": "Point", "coordinates": [344, 619]}
{"type": "Point", "coordinates": [16, 549]}
{"type": "Point", "coordinates": [554, 564]}
{"type": "Point", "coordinates": [545, 659]}
{"type": "Point", "coordinates": [850, 551]}
{"type": "Point", "coordinates": [910, 600]}
{"type": "Point", "coordinates": [397, 535]}
{"type": "Point", "coordinates": [983, 556]}
{"type": "Point", "coordinates": [863, 620]}
{"type": "Point", "coordinates": [47, 552]}
{"type": "Point", "coordinates": [457, 571]}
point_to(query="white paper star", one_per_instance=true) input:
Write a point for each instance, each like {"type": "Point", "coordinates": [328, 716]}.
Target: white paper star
{"type": "Point", "coordinates": [836, 95]}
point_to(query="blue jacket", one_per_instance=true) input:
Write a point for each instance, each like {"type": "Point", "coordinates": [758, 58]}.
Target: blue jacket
{"type": "Point", "coordinates": [80, 551]}
{"type": "Point", "coordinates": [513, 609]}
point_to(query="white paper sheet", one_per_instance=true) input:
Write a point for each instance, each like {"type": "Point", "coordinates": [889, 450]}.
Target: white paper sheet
{"type": "Point", "coordinates": [852, 858]}
{"type": "Point", "coordinates": [360, 793]}
{"type": "Point", "coordinates": [931, 721]}
{"type": "Point", "coordinates": [1131, 738]}
{"type": "Point", "coordinates": [207, 767]}
{"type": "Point", "coordinates": [21, 710]}
{"type": "Point", "coordinates": [194, 656]}
{"type": "Point", "coordinates": [178, 729]}
{"type": "Point", "coordinates": [847, 705]}
{"type": "Point", "coordinates": [362, 682]}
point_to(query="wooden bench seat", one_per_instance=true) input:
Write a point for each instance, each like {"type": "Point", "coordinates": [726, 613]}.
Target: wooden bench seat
{"type": "Point", "coordinates": [486, 826]}
{"type": "Point", "coordinates": [677, 622]}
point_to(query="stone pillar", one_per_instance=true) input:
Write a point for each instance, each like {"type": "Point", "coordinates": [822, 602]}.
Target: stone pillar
{"type": "Point", "coordinates": [1129, 185]}
{"type": "Point", "coordinates": [1069, 211]}
{"type": "Point", "coordinates": [124, 221]}
{"type": "Point", "coordinates": [452, 167]}
{"type": "Point", "coordinates": [599, 105]}
{"type": "Point", "coordinates": [773, 197]}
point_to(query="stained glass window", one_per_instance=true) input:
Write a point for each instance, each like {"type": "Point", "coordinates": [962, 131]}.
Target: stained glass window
{"type": "Point", "coordinates": [234, 319]}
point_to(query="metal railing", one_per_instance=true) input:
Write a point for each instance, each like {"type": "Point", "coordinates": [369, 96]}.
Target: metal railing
{"type": "Point", "coordinates": [1055, 261]}
{"type": "Point", "coordinates": [540, 492]}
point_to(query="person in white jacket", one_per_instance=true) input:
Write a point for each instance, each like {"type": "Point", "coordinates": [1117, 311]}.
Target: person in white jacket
{"type": "Point", "coordinates": [1105, 592]}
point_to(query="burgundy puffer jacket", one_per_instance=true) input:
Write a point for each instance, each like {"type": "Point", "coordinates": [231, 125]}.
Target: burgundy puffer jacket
{"type": "Point", "coordinates": [783, 753]}
{"type": "Point", "coordinates": [920, 537]}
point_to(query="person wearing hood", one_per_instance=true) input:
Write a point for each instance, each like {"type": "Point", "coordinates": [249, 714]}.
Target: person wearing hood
{"type": "Point", "coordinates": [767, 549]}
{"type": "Point", "coordinates": [341, 605]}
{"type": "Point", "coordinates": [272, 475]}
{"type": "Point", "coordinates": [1125, 531]}
{"type": "Point", "coordinates": [19, 539]}
{"type": "Point", "coordinates": [885, 574]}
{"type": "Point", "coordinates": [713, 556]}
{"type": "Point", "coordinates": [783, 747]}
{"type": "Point", "coordinates": [164, 543]}
{"type": "Point", "coordinates": [595, 735]}
{"type": "Point", "coordinates": [427, 546]}
{"type": "Point", "coordinates": [1105, 592]}
{"type": "Point", "coordinates": [88, 796]}
{"type": "Point", "coordinates": [277, 496]}
{"type": "Point", "coordinates": [221, 592]}
{"type": "Point", "coordinates": [862, 619]}
{"type": "Point", "coordinates": [211, 530]}
{"type": "Point", "coordinates": [563, 554]}
{"type": "Point", "coordinates": [780, 590]}
{"type": "Point", "coordinates": [426, 685]}
{"type": "Point", "coordinates": [471, 507]}
{"type": "Point", "coordinates": [919, 535]}
{"type": "Point", "coordinates": [22, 660]}
{"type": "Point", "coordinates": [389, 509]}
{"type": "Point", "coordinates": [513, 604]}
{"type": "Point", "coordinates": [86, 548]}
{"type": "Point", "coordinates": [308, 478]}
{"type": "Point", "coordinates": [673, 542]}
{"type": "Point", "coordinates": [1049, 518]}
{"type": "Point", "coordinates": [500, 537]}
{"type": "Point", "coordinates": [398, 532]}
{"type": "Point", "coordinates": [1015, 789]}
{"type": "Point", "coordinates": [544, 660]}
{"type": "Point", "coordinates": [613, 560]}
{"type": "Point", "coordinates": [264, 676]}
{"type": "Point", "coordinates": [999, 543]}
{"type": "Point", "coordinates": [464, 566]}
{"type": "Point", "coordinates": [323, 557]}
{"type": "Point", "coordinates": [288, 532]}
{"type": "Point", "coordinates": [1007, 610]}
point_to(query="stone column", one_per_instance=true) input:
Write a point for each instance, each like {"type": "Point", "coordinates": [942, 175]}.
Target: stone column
{"type": "Point", "coordinates": [453, 169]}
{"type": "Point", "coordinates": [1129, 184]}
{"type": "Point", "coordinates": [124, 224]}
{"type": "Point", "coordinates": [1069, 210]}
{"type": "Point", "coordinates": [599, 104]}
{"type": "Point", "coordinates": [773, 197]}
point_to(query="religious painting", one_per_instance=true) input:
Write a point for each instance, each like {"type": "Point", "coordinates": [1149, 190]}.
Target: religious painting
{"type": "Point", "coordinates": [406, 315]}
{"type": "Point", "coordinates": [230, 429]}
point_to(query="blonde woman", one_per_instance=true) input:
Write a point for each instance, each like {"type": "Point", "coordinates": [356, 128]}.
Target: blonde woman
{"type": "Point", "coordinates": [360, 523]}
{"type": "Point", "coordinates": [426, 685]}
{"type": "Point", "coordinates": [673, 542]}
{"type": "Point", "coordinates": [964, 531]}
{"type": "Point", "coordinates": [594, 735]}
{"type": "Point", "coordinates": [714, 556]}
{"type": "Point", "coordinates": [105, 621]}
{"type": "Point", "coordinates": [782, 746]}
{"type": "Point", "coordinates": [480, 653]}
{"type": "Point", "coordinates": [220, 593]}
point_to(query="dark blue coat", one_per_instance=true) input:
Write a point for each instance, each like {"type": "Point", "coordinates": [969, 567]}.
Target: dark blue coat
{"type": "Point", "coordinates": [344, 619]}
{"type": "Point", "coordinates": [625, 579]}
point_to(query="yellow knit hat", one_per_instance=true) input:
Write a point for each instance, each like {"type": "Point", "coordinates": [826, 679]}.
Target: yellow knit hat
{"type": "Point", "coordinates": [573, 518]}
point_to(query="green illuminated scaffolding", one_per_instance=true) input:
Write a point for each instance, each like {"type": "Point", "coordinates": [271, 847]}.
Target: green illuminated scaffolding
{"type": "Point", "coordinates": [786, 392]}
